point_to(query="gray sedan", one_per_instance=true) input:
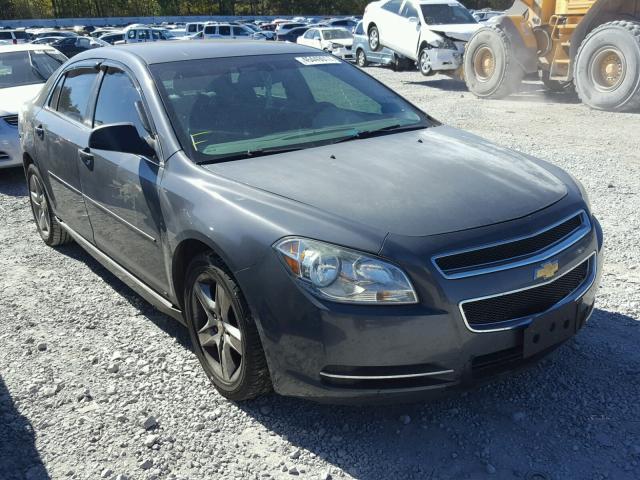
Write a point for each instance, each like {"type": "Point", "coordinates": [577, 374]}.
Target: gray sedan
{"type": "Point", "coordinates": [315, 232]}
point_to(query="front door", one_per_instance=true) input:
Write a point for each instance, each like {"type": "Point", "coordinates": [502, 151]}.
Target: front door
{"type": "Point", "coordinates": [409, 36]}
{"type": "Point", "coordinates": [61, 128]}
{"type": "Point", "coordinates": [121, 189]}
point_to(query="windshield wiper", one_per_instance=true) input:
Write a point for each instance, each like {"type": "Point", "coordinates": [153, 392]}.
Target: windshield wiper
{"type": "Point", "coordinates": [258, 152]}
{"type": "Point", "coordinates": [360, 134]}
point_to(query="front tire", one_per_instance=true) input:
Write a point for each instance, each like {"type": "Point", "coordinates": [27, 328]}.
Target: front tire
{"type": "Point", "coordinates": [490, 67]}
{"type": "Point", "coordinates": [374, 39]}
{"type": "Point", "coordinates": [361, 58]}
{"type": "Point", "coordinates": [223, 333]}
{"type": "Point", "coordinates": [607, 67]}
{"type": "Point", "coordinates": [424, 63]}
{"type": "Point", "coordinates": [47, 225]}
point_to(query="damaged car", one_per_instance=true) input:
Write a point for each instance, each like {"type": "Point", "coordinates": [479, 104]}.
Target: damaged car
{"type": "Point", "coordinates": [433, 33]}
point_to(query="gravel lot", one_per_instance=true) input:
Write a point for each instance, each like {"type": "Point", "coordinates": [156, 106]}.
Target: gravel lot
{"type": "Point", "coordinates": [95, 383]}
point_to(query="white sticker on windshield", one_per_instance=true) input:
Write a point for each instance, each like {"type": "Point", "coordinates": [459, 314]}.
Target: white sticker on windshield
{"type": "Point", "coordinates": [318, 60]}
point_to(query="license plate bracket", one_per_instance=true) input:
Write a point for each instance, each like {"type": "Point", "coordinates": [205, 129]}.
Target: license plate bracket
{"type": "Point", "coordinates": [550, 329]}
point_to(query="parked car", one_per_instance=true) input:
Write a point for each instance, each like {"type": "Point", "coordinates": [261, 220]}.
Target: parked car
{"type": "Point", "coordinates": [192, 28]}
{"type": "Point", "coordinates": [346, 23]}
{"type": "Point", "coordinates": [144, 33]}
{"type": "Point", "coordinates": [322, 236]}
{"type": "Point", "coordinates": [293, 34]}
{"type": "Point", "coordinates": [45, 40]}
{"type": "Point", "coordinates": [52, 33]}
{"type": "Point", "coordinates": [285, 27]}
{"type": "Point", "coordinates": [24, 69]}
{"type": "Point", "coordinates": [227, 31]}
{"type": "Point", "coordinates": [13, 37]}
{"type": "Point", "coordinates": [337, 41]}
{"type": "Point", "coordinates": [364, 55]}
{"type": "Point", "coordinates": [71, 46]}
{"type": "Point", "coordinates": [432, 33]}
{"type": "Point", "coordinates": [112, 38]}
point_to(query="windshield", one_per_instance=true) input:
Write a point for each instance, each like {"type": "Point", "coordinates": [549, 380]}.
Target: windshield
{"type": "Point", "coordinates": [444, 14]}
{"type": "Point", "coordinates": [336, 34]}
{"type": "Point", "coordinates": [28, 67]}
{"type": "Point", "coordinates": [251, 105]}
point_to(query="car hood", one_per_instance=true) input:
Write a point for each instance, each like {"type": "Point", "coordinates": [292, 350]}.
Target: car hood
{"type": "Point", "coordinates": [462, 31]}
{"type": "Point", "coordinates": [12, 98]}
{"type": "Point", "coordinates": [418, 183]}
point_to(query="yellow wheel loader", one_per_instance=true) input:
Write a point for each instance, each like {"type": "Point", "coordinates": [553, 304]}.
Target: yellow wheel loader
{"type": "Point", "coordinates": [593, 45]}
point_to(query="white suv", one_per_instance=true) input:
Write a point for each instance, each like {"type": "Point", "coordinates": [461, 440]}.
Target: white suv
{"type": "Point", "coordinates": [430, 32]}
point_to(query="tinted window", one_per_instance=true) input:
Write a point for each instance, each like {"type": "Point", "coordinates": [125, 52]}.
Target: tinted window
{"type": "Point", "coordinates": [409, 11]}
{"type": "Point", "coordinates": [5, 36]}
{"type": "Point", "coordinates": [210, 30]}
{"type": "Point", "coordinates": [117, 101]}
{"type": "Point", "coordinates": [131, 34]}
{"type": "Point", "coordinates": [28, 67]}
{"type": "Point", "coordinates": [393, 6]}
{"type": "Point", "coordinates": [155, 34]}
{"type": "Point", "coordinates": [310, 34]}
{"type": "Point", "coordinates": [192, 28]}
{"type": "Point", "coordinates": [21, 35]}
{"type": "Point", "coordinates": [224, 30]}
{"type": "Point", "coordinates": [75, 93]}
{"type": "Point", "coordinates": [274, 101]}
{"type": "Point", "coordinates": [444, 14]}
{"type": "Point", "coordinates": [143, 34]}
{"type": "Point", "coordinates": [240, 32]}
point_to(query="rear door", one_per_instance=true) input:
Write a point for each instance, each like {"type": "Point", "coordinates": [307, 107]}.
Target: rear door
{"type": "Point", "coordinates": [121, 189]}
{"type": "Point", "coordinates": [62, 126]}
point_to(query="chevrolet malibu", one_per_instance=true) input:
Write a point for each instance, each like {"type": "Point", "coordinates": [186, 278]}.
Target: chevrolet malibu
{"type": "Point", "coordinates": [315, 232]}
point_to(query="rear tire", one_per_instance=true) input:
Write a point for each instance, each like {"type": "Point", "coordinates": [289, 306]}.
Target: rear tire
{"type": "Point", "coordinates": [490, 69]}
{"type": "Point", "coordinates": [223, 333]}
{"type": "Point", "coordinates": [607, 67]}
{"type": "Point", "coordinates": [47, 224]}
{"type": "Point", "coordinates": [374, 39]}
{"type": "Point", "coordinates": [361, 58]}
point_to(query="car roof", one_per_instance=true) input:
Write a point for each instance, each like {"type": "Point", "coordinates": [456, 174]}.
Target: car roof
{"type": "Point", "coordinates": [23, 47]}
{"type": "Point", "coordinates": [164, 52]}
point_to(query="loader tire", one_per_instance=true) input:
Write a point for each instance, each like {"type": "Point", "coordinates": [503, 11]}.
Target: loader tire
{"type": "Point", "coordinates": [490, 69]}
{"type": "Point", "coordinates": [607, 67]}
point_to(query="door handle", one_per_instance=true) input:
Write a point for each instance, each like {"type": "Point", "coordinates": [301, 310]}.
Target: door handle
{"type": "Point", "coordinates": [39, 131]}
{"type": "Point", "coordinates": [86, 156]}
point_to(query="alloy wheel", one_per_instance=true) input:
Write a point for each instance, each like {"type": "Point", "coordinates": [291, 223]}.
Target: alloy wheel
{"type": "Point", "coordinates": [217, 328]}
{"type": "Point", "coordinates": [39, 205]}
{"type": "Point", "coordinates": [362, 60]}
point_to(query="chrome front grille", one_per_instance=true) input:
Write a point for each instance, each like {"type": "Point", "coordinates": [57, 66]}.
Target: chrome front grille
{"type": "Point", "coordinates": [11, 120]}
{"type": "Point", "coordinates": [496, 311]}
{"type": "Point", "coordinates": [516, 252]}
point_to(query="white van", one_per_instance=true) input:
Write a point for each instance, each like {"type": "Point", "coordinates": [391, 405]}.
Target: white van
{"type": "Point", "coordinates": [226, 30]}
{"type": "Point", "coordinates": [194, 27]}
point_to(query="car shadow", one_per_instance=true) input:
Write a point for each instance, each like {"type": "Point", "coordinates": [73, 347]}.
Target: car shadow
{"type": "Point", "coordinates": [458, 436]}
{"type": "Point", "coordinates": [164, 322]}
{"type": "Point", "coordinates": [19, 457]}
{"type": "Point", "coordinates": [12, 182]}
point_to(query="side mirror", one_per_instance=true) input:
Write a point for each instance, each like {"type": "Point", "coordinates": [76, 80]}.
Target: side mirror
{"type": "Point", "coordinates": [120, 137]}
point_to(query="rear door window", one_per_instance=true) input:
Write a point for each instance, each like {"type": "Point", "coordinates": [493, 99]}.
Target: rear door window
{"type": "Point", "coordinates": [224, 30]}
{"type": "Point", "coordinates": [75, 93]}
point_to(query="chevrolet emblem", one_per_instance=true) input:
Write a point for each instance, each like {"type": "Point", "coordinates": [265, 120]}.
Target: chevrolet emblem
{"type": "Point", "coordinates": [546, 271]}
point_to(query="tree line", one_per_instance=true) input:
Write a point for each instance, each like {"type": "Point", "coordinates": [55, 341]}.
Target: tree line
{"type": "Point", "coordinates": [18, 9]}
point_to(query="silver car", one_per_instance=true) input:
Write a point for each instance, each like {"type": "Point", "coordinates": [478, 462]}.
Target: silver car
{"type": "Point", "coordinates": [384, 56]}
{"type": "Point", "coordinates": [23, 70]}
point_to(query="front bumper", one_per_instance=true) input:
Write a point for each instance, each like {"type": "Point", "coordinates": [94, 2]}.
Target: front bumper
{"type": "Point", "coordinates": [351, 353]}
{"type": "Point", "coordinates": [10, 151]}
{"type": "Point", "coordinates": [445, 59]}
{"type": "Point", "coordinates": [343, 53]}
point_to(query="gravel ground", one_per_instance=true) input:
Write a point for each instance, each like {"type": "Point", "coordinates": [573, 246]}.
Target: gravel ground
{"type": "Point", "coordinates": [95, 383]}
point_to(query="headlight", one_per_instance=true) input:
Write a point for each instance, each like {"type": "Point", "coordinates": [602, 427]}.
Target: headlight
{"type": "Point", "coordinates": [445, 43]}
{"type": "Point", "coordinates": [343, 275]}
{"type": "Point", "coordinates": [336, 46]}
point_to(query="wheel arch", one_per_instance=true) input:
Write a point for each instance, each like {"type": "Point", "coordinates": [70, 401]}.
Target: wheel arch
{"type": "Point", "coordinates": [26, 161]}
{"type": "Point", "coordinates": [188, 248]}
{"type": "Point", "coordinates": [601, 12]}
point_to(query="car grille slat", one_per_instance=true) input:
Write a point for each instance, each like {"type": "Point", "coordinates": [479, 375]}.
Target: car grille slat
{"type": "Point", "coordinates": [504, 252]}
{"type": "Point", "coordinates": [525, 303]}
{"type": "Point", "coordinates": [11, 120]}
